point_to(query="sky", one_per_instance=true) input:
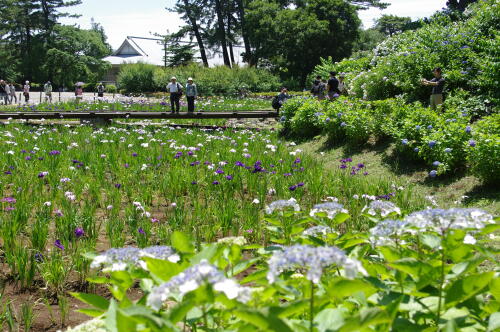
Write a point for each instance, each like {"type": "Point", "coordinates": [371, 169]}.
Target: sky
{"type": "Point", "coordinates": [122, 18]}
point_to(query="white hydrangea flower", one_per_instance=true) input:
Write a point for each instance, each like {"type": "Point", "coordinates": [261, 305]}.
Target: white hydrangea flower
{"type": "Point", "coordinates": [382, 208]}
{"type": "Point", "coordinates": [331, 209]}
{"type": "Point", "coordinates": [283, 204]}
{"type": "Point", "coordinates": [314, 259]}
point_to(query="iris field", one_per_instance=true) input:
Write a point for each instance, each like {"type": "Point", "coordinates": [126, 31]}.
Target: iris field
{"type": "Point", "coordinates": [230, 230]}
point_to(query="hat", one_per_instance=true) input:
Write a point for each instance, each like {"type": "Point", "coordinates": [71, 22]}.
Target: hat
{"type": "Point", "coordinates": [190, 79]}
{"type": "Point", "coordinates": [27, 82]}
{"type": "Point", "coordinates": [173, 78]}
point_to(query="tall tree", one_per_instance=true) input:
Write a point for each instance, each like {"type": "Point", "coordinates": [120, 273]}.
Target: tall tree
{"type": "Point", "coordinates": [391, 24]}
{"type": "Point", "coordinates": [191, 11]}
{"type": "Point", "coordinates": [221, 32]}
{"type": "Point", "coordinates": [459, 5]}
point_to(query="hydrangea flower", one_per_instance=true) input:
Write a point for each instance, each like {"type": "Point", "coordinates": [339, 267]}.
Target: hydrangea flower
{"type": "Point", "coordinates": [194, 277]}
{"type": "Point", "coordinates": [117, 259]}
{"type": "Point", "coordinates": [330, 208]}
{"type": "Point", "coordinates": [282, 204]}
{"type": "Point", "coordinates": [317, 231]}
{"type": "Point", "coordinates": [441, 220]}
{"type": "Point", "coordinates": [386, 230]}
{"type": "Point", "coordinates": [314, 259]}
{"type": "Point", "coordinates": [382, 208]}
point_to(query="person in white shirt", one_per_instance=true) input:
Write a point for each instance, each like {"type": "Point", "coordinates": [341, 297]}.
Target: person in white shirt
{"type": "Point", "coordinates": [7, 92]}
{"type": "Point", "coordinates": [47, 88]}
{"type": "Point", "coordinates": [26, 91]}
{"type": "Point", "coordinates": [175, 90]}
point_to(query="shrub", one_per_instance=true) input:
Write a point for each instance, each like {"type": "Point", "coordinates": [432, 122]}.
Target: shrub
{"type": "Point", "coordinates": [137, 78]}
{"type": "Point", "coordinates": [219, 80]}
{"type": "Point", "coordinates": [483, 150]}
{"type": "Point", "coordinates": [111, 88]}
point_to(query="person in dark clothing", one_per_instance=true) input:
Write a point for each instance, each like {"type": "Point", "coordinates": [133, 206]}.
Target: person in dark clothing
{"type": "Point", "coordinates": [437, 84]}
{"type": "Point", "coordinates": [333, 86]}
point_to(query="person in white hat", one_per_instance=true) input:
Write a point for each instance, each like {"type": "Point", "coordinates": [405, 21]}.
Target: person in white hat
{"type": "Point", "coordinates": [47, 88]}
{"type": "Point", "coordinates": [26, 91]}
{"type": "Point", "coordinates": [175, 90]}
{"type": "Point", "coordinates": [191, 94]}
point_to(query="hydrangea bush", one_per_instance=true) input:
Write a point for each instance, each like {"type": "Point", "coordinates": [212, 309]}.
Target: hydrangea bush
{"type": "Point", "coordinates": [422, 271]}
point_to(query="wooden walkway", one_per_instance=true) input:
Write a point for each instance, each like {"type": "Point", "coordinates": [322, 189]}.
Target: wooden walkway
{"type": "Point", "coordinates": [107, 115]}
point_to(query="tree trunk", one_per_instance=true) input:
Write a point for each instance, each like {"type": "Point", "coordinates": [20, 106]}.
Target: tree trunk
{"type": "Point", "coordinates": [249, 58]}
{"type": "Point", "coordinates": [230, 44]}
{"type": "Point", "coordinates": [222, 33]}
{"type": "Point", "coordinates": [197, 34]}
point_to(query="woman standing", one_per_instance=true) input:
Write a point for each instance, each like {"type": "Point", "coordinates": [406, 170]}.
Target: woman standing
{"type": "Point", "coordinates": [12, 92]}
{"type": "Point", "coordinates": [191, 94]}
{"type": "Point", "coordinates": [78, 93]}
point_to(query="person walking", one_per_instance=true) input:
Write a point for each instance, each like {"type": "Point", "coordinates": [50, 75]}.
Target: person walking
{"type": "Point", "coordinates": [26, 91]}
{"type": "Point", "coordinates": [7, 92]}
{"type": "Point", "coordinates": [333, 86]}
{"type": "Point", "coordinates": [3, 92]}
{"type": "Point", "coordinates": [280, 99]}
{"type": "Point", "coordinates": [191, 94]}
{"type": "Point", "coordinates": [437, 84]}
{"type": "Point", "coordinates": [12, 90]}
{"type": "Point", "coordinates": [175, 90]}
{"type": "Point", "coordinates": [47, 88]}
{"type": "Point", "coordinates": [100, 90]}
{"type": "Point", "coordinates": [78, 93]}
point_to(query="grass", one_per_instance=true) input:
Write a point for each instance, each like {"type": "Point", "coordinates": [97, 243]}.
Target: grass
{"type": "Point", "coordinates": [457, 189]}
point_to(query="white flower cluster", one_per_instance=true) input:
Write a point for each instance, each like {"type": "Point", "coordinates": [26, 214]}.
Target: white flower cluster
{"type": "Point", "coordinates": [282, 204]}
{"type": "Point", "coordinates": [456, 218]}
{"type": "Point", "coordinates": [118, 259]}
{"type": "Point", "coordinates": [94, 325]}
{"type": "Point", "coordinates": [194, 277]}
{"type": "Point", "coordinates": [139, 207]}
{"type": "Point", "coordinates": [331, 209]}
{"type": "Point", "coordinates": [382, 208]}
{"type": "Point", "coordinates": [434, 220]}
{"type": "Point", "coordinates": [386, 230]}
{"type": "Point", "coordinates": [314, 259]}
{"type": "Point", "coordinates": [317, 231]}
{"type": "Point", "coordinates": [233, 240]}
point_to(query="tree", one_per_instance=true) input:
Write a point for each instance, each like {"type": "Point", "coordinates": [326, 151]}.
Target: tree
{"type": "Point", "coordinates": [178, 52]}
{"type": "Point", "coordinates": [191, 11]}
{"type": "Point", "coordinates": [459, 5]}
{"type": "Point", "coordinates": [391, 24]}
{"type": "Point", "coordinates": [294, 39]}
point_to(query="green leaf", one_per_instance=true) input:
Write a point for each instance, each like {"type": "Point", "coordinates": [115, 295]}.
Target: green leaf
{"type": "Point", "coordinates": [92, 299]}
{"type": "Point", "coordinates": [467, 287]}
{"type": "Point", "coordinates": [430, 240]}
{"type": "Point", "coordinates": [494, 322]}
{"type": "Point", "coordinates": [91, 312]}
{"type": "Point", "coordinates": [292, 308]}
{"type": "Point", "coordinates": [341, 288]}
{"type": "Point", "coordinates": [242, 266]}
{"type": "Point", "coordinates": [180, 311]}
{"type": "Point", "coordinates": [495, 288]}
{"type": "Point", "coordinates": [162, 269]}
{"type": "Point", "coordinates": [340, 218]}
{"type": "Point", "coordinates": [329, 319]}
{"type": "Point", "coordinates": [181, 243]}
{"type": "Point", "coordinates": [264, 321]}
{"type": "Point", "coordinates": [116, 321]}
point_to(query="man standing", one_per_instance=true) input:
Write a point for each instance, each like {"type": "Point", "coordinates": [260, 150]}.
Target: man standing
{"type": "Point", "coordinates": [333, 86]}
{"type": "Point", "coordinates": [191, 94]}
{"type": "Point", "coordinates": [315, 89]}
{"type": "Point", "coordinates": [26, 91]}
{"type": "Point", "coordinates": [437, 84]}
{"type": "Point", "coordinates": [100, 90]}
{"type": "Point", "coordinates": [175, 90]}
{"type": "Point", "coordinates": [12, 90]}
{"type": "Point", "coordinates": [47, 88]}
{"type": "Point", "coordinates": [3, 92]}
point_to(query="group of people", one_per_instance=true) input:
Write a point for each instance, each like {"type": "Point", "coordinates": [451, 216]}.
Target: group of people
{"type": "Point", "coordinates": [7, 92]}
{"type": "Point", "coordinates": [329, 89]}
{"type": "Point", "coordinates": [176, 90]}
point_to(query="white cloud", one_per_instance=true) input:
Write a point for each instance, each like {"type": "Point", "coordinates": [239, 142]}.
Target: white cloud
{"type": "Point", "coordinates": [413, 8]}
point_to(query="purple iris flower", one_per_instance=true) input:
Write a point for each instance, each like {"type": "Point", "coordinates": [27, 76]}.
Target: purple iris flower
{"type": "Point", "coordinates": [194, 182]}
{"type": "Point", "coordinates": [229, 177]}
{"type": "Point", "coordinates": [126, 165]}
{"type": "Point", "coordinates": [141, 231]}
{"type": "Point", "coordinates": [118, 185]}
{"type": "Point", "coordinates": [219, 171]}
{"type": "Point", "coordinates": [300, 184]}
{"type": "Point", "coordinates": [79, 232]}
{"type": "Point", "coordinates": [215, 182]}
{"type": "Point", "coordinates": [54, 152]}
{"type": "Point", "coordinates": [10, 200]}
{"type": "Point", "coordinates": [134, 154]}
{"type": "Point", "coordinates": [58, 244]}
{"type": "Point", "coordinates": [292, 188]}
{"type": "Point", "coordinates": [472, 143]}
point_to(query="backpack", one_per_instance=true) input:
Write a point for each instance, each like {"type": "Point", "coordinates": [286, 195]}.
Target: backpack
{"type": "Point", "coordinates": [100, 88]}
{"type": "Point", "coordinates": [276, 103]}
{"type": "Point", "coordinates": [179, 89]}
